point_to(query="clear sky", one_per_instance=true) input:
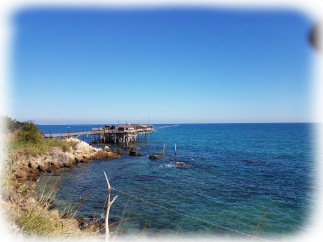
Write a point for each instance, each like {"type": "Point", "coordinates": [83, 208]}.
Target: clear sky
{"type": "Point", "coordinates": [192, 65]}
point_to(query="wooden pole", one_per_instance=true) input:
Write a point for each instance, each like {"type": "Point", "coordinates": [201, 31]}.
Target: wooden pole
{"type": "Point", "coordinates": [107, 235]}
{"type": "Point", "coordinates": [175, 148]}
{"type": "Point", "coordinates": [164, 149]}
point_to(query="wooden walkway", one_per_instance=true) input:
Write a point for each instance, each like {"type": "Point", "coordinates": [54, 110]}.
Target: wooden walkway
{"type": "Point", "coordinates": [105, 135]}
{"type": "Point", "coordinates": [71, 134]}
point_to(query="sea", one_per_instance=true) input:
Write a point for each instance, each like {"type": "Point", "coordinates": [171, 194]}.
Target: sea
{"type": "Point", "coordinates": [237, 181]}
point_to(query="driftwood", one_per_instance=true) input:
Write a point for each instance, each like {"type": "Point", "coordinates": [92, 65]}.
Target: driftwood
{"type": "Point", "coordinates": [107, 235]}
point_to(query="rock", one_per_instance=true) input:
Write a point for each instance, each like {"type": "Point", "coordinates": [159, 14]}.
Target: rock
{"type": "Point", "coordinates": [179, 164]}
{"type": "Point", "coordinates": [155, 157]}
{"type": "Point", "coordinates": [112, 155]}
{"type": "Point", "coordinates": [70, 226]}
{"type": "Point", "coordinates": [70, 162]}
{"type": "Point", "coordinates": [82, 221]}
{"type": "Point", "coordinates": [21, 174]}
{"type": "Point", "coordinates": [59, 155]}
{"type": "Point", "coordinates": [53, 213]}
{"type": "Point", "coordinates": [44, 164]}
{"type": "Point", "coordinates": [56, 164]}
{"type": "Point", "coordinates": [86, 160]}
{"type": "Point", "coordinates": [135, 153]}
{"type": "Point", "coordinates": [118, 151]}
{"type": "Point", "coordinates": [100, 154]}
{"type": "Point", "coordinates": [32, 167]}
{"type": "Point", "coordinates": [52, 169]}
{"type": "Point", "coordinates": [133, 147]}
{"type": "Point", "coordinates": [66, 216]}
{"type": "Point", "coordinates": [33, 176]}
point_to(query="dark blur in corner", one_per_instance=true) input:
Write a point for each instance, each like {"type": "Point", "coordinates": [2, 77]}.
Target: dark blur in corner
{"type": "Point", "coordinates": [315, 37]}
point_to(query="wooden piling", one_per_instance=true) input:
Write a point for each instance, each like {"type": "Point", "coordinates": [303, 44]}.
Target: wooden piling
{"type": "Point", "coordinates": [164, 150]}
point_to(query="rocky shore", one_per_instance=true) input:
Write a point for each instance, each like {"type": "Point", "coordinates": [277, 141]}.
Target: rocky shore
{"type": "Point", "coordinates": [32, 167]}
{"type": "Point", "coordinates": [19, 200]}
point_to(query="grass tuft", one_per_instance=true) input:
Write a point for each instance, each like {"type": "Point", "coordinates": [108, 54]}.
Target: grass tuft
{"type": "Point", "coordinates": [39, 148]}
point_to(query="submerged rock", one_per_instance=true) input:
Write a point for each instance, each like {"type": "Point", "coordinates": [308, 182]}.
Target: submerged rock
{"type": "Point", "coordinates": [179, 164]}
{"type": "Point", "coordinates": [118, 151]}
{"type": "Point", "coordinates": [132, 147]}
{"type": "Point", "coordinates": [135, 153]}
{"type": "Point", "coordinates": [153, 157]}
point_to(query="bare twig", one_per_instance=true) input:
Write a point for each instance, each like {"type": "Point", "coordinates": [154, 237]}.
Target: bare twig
{"type": "Point", "coordinates": [177, 231]}
{"type": "Point", "coordinates": [107, 235]}
{"type": "Point", "coordinates": [303, 234]}
{"type": "Point", "coordinates": [253, 236]}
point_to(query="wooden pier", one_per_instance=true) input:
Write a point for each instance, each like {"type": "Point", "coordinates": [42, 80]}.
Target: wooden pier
{"type": "Point", "coordinates": [122, 134]}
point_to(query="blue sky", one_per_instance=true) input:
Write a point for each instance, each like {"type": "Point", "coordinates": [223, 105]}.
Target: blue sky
{"type": "Point", "coordinates": [176, 65]}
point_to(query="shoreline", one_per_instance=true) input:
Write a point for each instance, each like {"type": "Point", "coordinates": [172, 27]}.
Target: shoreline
{"type": "Point", "coordinates": [32, 167]}
{"type": "Point", "coordinates": [19, 197]}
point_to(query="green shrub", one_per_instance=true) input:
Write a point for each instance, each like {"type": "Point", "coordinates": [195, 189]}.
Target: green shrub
{"type": "Point", "coordinates": [9, 125]}
{"type": "Point", "coordinates": [7, 164]}
{"type": "Point", "coordinates": [29, 133]}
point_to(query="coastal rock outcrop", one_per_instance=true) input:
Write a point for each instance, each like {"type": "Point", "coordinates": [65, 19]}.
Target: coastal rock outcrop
{"type": "Point", "coordinates": [32, 167]}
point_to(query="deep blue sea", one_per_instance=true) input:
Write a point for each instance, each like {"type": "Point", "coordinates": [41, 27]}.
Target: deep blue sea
{"type": "Point", "coordinates": [233, 173]}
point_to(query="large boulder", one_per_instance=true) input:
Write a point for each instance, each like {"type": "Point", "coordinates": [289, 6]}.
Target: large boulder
{"type": "Point", "coordinates": [44, 164]}
{"type": "Point", "coordinates": [56, 164]}
{"type": "Point", "coordinates": [59, 155]}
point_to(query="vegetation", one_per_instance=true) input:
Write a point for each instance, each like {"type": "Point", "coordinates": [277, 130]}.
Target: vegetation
{"type": "Point", "coordinates": [30, 214]}
{"type": "Point", "coordinates": [29, 132]}
{"type": "Point", "coordinates": [7, 165]}
{"type": "Point", "coordinates": [9, 125]}
{"type": "Point", "coordinates": [41, 147]}
{"type": "Point", "coordinates": [26, 138]}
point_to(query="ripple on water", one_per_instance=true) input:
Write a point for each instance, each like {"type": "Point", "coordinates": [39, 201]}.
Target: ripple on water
{"type": "Point", "coordinates": [232, 174]}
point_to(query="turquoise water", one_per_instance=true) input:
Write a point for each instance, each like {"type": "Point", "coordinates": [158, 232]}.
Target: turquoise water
{"type": "Point", "coordinates": [233, 174]}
